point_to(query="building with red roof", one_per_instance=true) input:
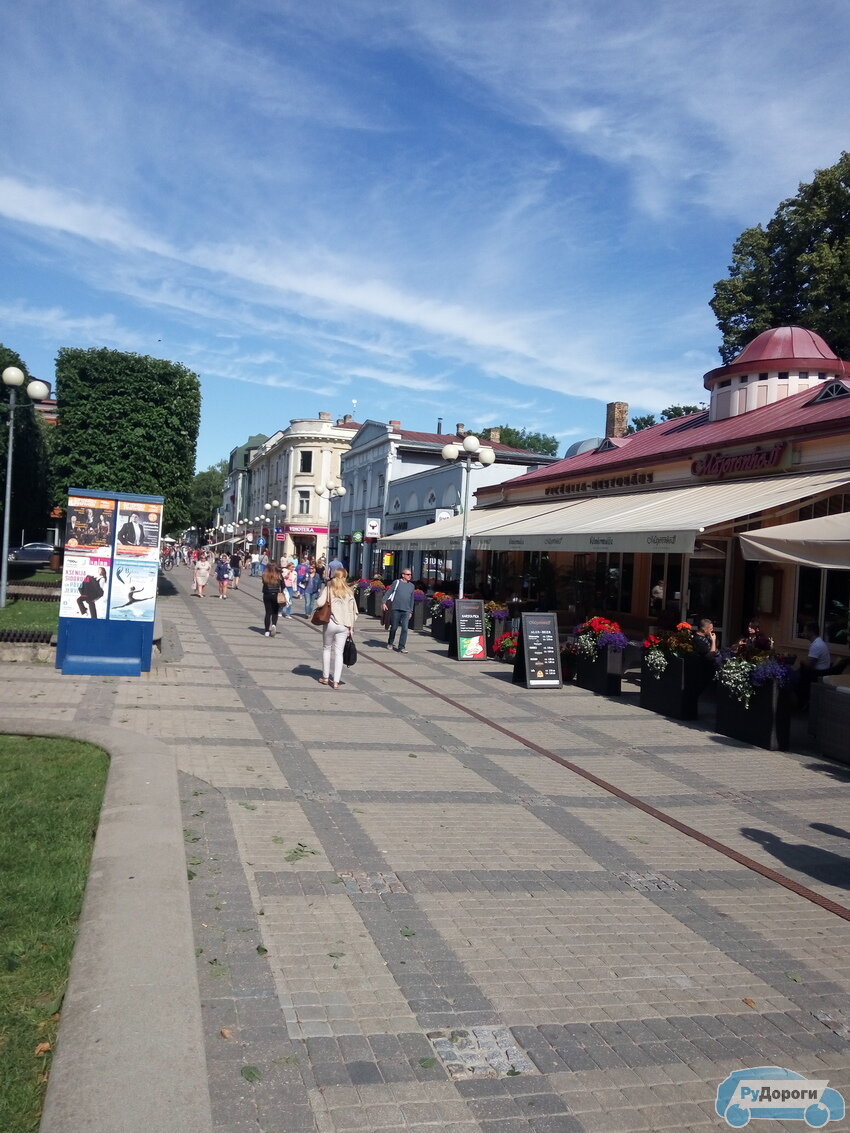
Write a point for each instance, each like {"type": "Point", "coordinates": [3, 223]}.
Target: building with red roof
{"type": "Point", "coordinates": [643, 527]}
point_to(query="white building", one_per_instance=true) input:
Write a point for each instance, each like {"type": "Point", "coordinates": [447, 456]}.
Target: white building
{"type": "Point", "coordinates": [292, 468]}
{"type": "Point", "coordinates": [396, 480]}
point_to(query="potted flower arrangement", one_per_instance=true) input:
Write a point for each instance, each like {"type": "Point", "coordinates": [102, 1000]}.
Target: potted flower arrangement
{"type": "Point", "coordinates": [376, 597]}
{"type": "Point", "coordinates": [420, 610]}
{"type": "Point", "coordinates": [569, 661]}
{"type": "Point", "coordinates": [495, 616]}
{"type": "Point", "coordinates": [442, 614]}
{"type": "Point", "coordinates": [672, 674]}
{"type": "Point", "coordinates": [363, 588]}
{"type": "Point", "coordinates": [600, 644]}
{"type": "Point", "coordinates": [754, 696]}
{"type": "Point", "coordinates": [504, 647]}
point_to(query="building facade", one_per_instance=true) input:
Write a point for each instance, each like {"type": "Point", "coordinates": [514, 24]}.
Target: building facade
{"type": "Point", "coordinates": [296, 467]}
{"type": "Point", "coordinates": [644, 528]}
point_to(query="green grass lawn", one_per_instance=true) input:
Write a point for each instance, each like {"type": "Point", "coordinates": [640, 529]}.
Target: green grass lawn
{"type": "Point", "coordinates": [49, 809]}
{"type": "Point", "coordinates": [22, 614]}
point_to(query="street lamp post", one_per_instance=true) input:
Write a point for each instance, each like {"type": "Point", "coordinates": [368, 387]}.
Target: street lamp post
{"type": "Point", "coordinates": [272, 507]}
{"type": "Point", "coordinates": [332, 490]}
{"type": "Point", "coordinates": [471, 451]}
{"type": "Point", "coordinates": [37, 391]}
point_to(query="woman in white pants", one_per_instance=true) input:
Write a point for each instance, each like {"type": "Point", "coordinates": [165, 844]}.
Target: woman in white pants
{"type": "Point", "coordinates": [338, 628]}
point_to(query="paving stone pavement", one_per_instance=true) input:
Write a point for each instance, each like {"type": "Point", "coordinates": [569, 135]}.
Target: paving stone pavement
{"type": "Point", "coordinates": [408, 920]}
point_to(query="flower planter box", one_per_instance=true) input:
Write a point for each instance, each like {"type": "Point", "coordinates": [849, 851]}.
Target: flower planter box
{"type": "Point", "coordinates": [439, 630]}
{"type": "Point", "coordinates": [767, 721]}
{"type": "Point", "coordinates": [363, 596]}
{"type": "Point", "coordinates": [676, 692]}
{"type": "Point", "coordinates": [417, 618]}
{"type": "Point", "coordinates": [602, 676]}
{"type": "Point", "coordinates": [376, 600]}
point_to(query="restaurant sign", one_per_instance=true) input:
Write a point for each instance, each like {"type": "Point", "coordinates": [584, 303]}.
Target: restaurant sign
{"type": "Point", "coordinates": [747, 462]}
{"type": "Point", "coordinates": [601, 484]}
{"type": "Point", "coordinates": [304, 529]}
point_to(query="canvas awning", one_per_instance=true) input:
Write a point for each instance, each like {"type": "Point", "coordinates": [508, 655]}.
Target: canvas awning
{"type": "Point", "coordinates": [668, 520]}
{"type": "Point", "coordinates": [823, 542]}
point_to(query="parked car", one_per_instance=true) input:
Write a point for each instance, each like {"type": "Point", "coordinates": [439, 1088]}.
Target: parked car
{"type": "Point", "coordinates": [35, 554]}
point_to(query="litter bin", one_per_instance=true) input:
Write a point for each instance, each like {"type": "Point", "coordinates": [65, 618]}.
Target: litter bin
{"type": "Point", "coordinates": [56, 559]}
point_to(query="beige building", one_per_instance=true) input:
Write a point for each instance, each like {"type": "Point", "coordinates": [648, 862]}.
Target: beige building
{"type": "Point", "coordinates": [298, 467]}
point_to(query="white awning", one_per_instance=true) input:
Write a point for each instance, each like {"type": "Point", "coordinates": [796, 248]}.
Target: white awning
{"type": "Point", "coordinates": [667, 520]}
{"type": "Point", "coordinates": [823, 542]}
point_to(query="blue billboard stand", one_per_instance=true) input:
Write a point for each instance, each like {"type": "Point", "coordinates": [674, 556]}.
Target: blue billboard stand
{"type": "Point", "coordinates": [109, 583]}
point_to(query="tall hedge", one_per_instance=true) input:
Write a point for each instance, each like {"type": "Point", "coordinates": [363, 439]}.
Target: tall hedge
{"type": "Point", "coordinates": [31, 476]}
{"type": "Point", "coordinates": [127, 423]}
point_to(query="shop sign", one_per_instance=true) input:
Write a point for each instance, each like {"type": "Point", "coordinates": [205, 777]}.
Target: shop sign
{"type": "Point", "coordinates": [305, 529]}
{"type": "Point", "coordinates": [373, 528]}
{"type": "Point", "coordinates": [604, 484]}
{"type": "Point", "coordinates": [720, 465]}
{"type": "Point", "coordinates": [468, 642]}
{"type": "Point", "coordinates": [400, 525]}
{"type": "Point", "coordinates": [443, 513]}
{"type": "Point", "coordinates": [356, 536]}
{"type": "Point", "coordinates": [537, 663]}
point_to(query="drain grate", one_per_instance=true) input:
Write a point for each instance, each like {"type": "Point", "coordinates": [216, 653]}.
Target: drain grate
{"type": "Point", "coordinates": [357, 881]}
{"type": "Point", "coordinates": [481, 1052]}
{"type": "Point", "coordinates": [650, 882]}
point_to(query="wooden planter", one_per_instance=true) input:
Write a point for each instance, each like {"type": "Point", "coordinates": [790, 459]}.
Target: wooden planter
{"type": "Point", "coordinates": [767, 721]}
{"type": "Point", "coordinates": [676, 692]}
{"type": "Point", "coordinates": [602, 676]}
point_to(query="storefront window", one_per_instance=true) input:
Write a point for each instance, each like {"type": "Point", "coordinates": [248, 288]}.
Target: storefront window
{"type": "Point", "coordinates": [614, 579]}
{"type": "Point", "coordinates": [823, 596]}
{"type": "Point", "coordinates": [665, 584]}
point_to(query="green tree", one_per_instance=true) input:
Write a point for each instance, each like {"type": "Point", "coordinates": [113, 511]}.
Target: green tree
{"type": "Point", "coordinates": [31, 471]}
{"type": "Point", "coordinates": [207, 488]}
{"type": "Point", "coordinates": [668, 414]}
{"type": "Point", "coordinates": [794, 271]}
{"type": "Point", "coordinates": [127, 423]}
{"type": "Point", "coordinates": [522, 438]}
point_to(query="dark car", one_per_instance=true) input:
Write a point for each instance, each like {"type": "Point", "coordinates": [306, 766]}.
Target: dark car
{"type": "Point", "coordinates": [35, 554]}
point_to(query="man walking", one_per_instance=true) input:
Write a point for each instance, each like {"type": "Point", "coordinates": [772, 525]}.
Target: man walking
{"type": "Point", "coordinates": [399, 601]}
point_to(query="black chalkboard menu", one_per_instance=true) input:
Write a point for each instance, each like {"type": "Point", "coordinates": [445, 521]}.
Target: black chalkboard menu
{"type": "Point", "coordinates": [468, 642]}
{"type": "Point", "coordinates": [538, 660]}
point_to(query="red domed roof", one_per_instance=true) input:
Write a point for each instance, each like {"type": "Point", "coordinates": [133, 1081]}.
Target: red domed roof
{"type": "Point", "coordinates": [784, 348]}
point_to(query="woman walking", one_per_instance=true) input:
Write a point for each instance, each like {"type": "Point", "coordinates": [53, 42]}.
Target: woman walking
{"type": "Point", "coordinates": [201, 573]}
{"type": "Point", "coordinates": [290, 581]}
{"type": "Point", "coordinates": [311, 590]}
{"type": "Point", "coordinates": [338, 628]}
{"type": "Point", "coordinates": [272, 587]}
{"type": "Point", "coordinates": [222, 574]}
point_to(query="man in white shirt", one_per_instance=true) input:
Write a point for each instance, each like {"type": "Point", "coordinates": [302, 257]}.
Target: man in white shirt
{"type": "Point", "coordinates": [817, 661]}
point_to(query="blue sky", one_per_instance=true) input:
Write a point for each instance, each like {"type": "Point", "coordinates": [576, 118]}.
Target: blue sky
{"type": "Point", "coordinates": [487, 211]}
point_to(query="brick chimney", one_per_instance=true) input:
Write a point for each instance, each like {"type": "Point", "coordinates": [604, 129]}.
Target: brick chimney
{"type": "Point", "coordinates": [395, 426]}
{"type": "Point", "coordinates": [324, 416]}
{"type": "Point", "coordinates": [616, 418]}
{"type": "Point", "coordinates": [460, 429]}
{"type": "Point", "coordinates": [495, 435]}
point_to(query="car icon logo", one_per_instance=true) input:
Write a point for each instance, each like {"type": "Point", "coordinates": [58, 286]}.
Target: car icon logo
{"type": "Point", "coordinates": [775, 1094]}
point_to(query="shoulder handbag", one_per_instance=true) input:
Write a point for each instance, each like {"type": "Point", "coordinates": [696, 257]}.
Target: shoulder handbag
{"type": "Point", "coordinates": [322, 614]}
{"type": "Point", "coordinates": [282, 598]}
{"type": "Point", "coordinates": [349, 652]}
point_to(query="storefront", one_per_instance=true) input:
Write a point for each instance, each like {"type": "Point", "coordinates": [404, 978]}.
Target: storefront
{"type": "Point", "coordinates": [645, 528]}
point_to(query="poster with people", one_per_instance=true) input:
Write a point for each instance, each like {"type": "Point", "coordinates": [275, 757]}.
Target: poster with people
{"type": "Point", "coordinates": [133, 594]}
{"type": "Point", "coordinates": [89, 525]}
{"type": "Point", "coordinates": [85, 586]}
{"type": "Point", "coordinates": [138, 532]}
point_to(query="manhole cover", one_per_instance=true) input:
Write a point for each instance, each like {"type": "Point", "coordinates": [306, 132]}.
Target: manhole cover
{"type": "Point", "coordinates": [650, 882]}
{"type": "Point", "coordinates": [480, 1052]}
{"type": "Point", "coordinates": [357, 882]}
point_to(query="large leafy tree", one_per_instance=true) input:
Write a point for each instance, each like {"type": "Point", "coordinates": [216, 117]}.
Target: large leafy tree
{"type": "Point", "coordinates": [207, 488]}
{"type": "Point", "coordinates": [31, 472]}
{"type": "Point", "coordinates": [534, 442]}
{"type": "Point", "coordinates": [127, 423]}
{"type": "Point", "coordinates": [793, 271]}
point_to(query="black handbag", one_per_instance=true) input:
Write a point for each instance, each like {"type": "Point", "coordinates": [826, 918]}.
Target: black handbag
{"type": "Point", "coordinates": [349, 653]}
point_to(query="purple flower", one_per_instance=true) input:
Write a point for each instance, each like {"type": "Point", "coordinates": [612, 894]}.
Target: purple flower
{"type": "Point", "coordinates": [447, 603]}
{"type": "Point", "coordinates": [616, 642]}
{"type": "Point", "coordinates": [499, 615]}
{"type": "Point", "coordinates": [771, 670]}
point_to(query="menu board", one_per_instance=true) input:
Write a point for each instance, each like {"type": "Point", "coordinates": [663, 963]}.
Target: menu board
{"type": "Point", "coordinates": [538, 661]}
{"type": "Point", "coordinates": [468, 642]}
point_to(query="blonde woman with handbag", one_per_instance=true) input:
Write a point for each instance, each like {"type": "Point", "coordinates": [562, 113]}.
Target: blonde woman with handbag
{"type": "Point", "coordinates": [340, 625]}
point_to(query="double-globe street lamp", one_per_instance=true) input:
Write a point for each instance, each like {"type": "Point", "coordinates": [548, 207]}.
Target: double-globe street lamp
{"type": "Point", "coordinates": [331, 490]}
{"type": "Point", "coordinates": [273, 508]}
{"type": "Point", "coordinates": [37, 390]}
{"type": "Point", "coordinates": [471, 451]}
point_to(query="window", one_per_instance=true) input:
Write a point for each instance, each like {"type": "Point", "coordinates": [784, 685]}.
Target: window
{"type": "Point", "coordinates": [832, 505]}
{"type": "Point", "coordinates": [303, 501]}
{"type": "Point", "coordinates": [614, 579]}
{"type": "Point", "coordinates": [306, 461]}
{"type": "Point", "coordinates": [823, 596]}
